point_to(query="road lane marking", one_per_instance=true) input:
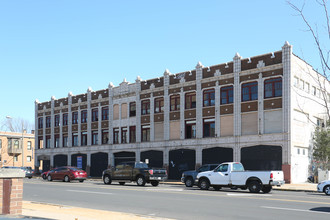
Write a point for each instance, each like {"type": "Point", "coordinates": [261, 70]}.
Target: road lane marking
{"type": "Point", "coordinates": [246, 194]}
{"type": "Point", "coordinates": [81, 191]}
{"type": "Point", "coordinates": [296, 210]}
{"type": "Point", "coordinates": [162, 189]}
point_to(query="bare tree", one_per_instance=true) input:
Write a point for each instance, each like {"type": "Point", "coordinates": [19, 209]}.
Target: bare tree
{"type": "Point", "coordinates": [17, 125]}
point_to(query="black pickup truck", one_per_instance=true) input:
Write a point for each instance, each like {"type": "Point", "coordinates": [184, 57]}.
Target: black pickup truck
{"type": "Point", "coordinates": [138, 172]}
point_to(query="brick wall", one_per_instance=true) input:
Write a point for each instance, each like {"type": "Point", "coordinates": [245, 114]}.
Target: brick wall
{"type": "Point", "coordinates": [11, 195]}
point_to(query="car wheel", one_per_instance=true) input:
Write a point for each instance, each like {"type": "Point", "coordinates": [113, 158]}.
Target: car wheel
{"type": "Point", "coordinates": [49, 178]}
{"type": "Point", "coordinates": [140, 181]}
{"type": "Point", "coordinates": [81, 181]}
{"type": "Point", "coordinates": [154, 183]}
{"type": "Point", "coordinates": [30, 177]}
{"type": "Point", "coordinates": [327, 190]}
{"type": "Point", "coordinates": [107, 179]}
{"type": "Point", "coordinates": [122, 183]}
{"type": "Point", "coordinates": [189, 182]}
{"type": "Point", "coordinates": [254, 187]}
{"type": "Point", "coordinates": [266, 189]}
{"type": "Point", "coordinates": [44, 177]}
{"type": "Point", "coordinates": [204, 184]}
{"type": "Point", "coordinates": [66, 179]}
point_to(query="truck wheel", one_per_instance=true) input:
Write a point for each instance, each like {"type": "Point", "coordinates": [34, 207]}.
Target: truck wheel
{"type": "Point", "coordinates": [122, 183]}
{"type": "Point", "coordinates": [154, 183]}
{"type": "Point", "coordinates": [266, 189]}
{"type": "Point", "coordinates": [189, 182]}
{"type": "Point", "coordinates": [327, 190]}
{"type": "Point", "coordinates": [140, 181]}
{"type": "Point", "coordinates": [204, 184]}
{"type": "Point", "coordinates": [254, 187]}
{"type": "Point", "coordinates": [107, 179]}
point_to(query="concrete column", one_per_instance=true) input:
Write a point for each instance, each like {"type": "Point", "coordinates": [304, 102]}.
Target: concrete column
{"type": "Point", "coordinates": [99, 125]}
{"type": "Point", "coordinates": [199, 101]}
{"type": "Point", "coordinates": [88, 164]}
{"type": "Point", "coordinates": [52, 122]}
{"type": "Point", "coordinates": [69, 119]}
{"type": "Point", "coordinates": [166, 154]}
{"type": "Point", "coordinates": [79, 123]}
{"type": "Point", "coordinates": [89, 116]}
{"type": "Point", "coordinates": [152, 114]}
{"type": "Point", "coordinates": [166, 106]}
{"type": "Point", "coordinates": [138, 109]}
{"type": "Point", "coordinates": [44, 128]}
{"type": "Point", "coordinates": [260, 105]}
{"type": "Point", "coordinates": [199, 157]}
{"type": "Point", "coordinates": [69, 159]}
{"type": "Point", "coordinates": [217, 109]}
{"type": "Point", "coordinates": [138, 155]}
{"type": "Point", "coordinates": [61, 127]}
{"type": "Point", "coordinates": [119, 133]}
{"type": "Point", "coordinates": [51, 157]}
{"type": "Point", "coordinates": [110, 87]}
{"type": "Point", "coordinates": [237, 153]}
{"type": "Point", "coordinates": [111, 159]}
{"type": "Point", "coordinates": [237, 95]}
{"type": "Point", "coordinates": [182, 121]}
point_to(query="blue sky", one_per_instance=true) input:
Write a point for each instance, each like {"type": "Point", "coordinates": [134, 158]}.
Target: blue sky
{"type": "Point", "coordinates": [49, 48]}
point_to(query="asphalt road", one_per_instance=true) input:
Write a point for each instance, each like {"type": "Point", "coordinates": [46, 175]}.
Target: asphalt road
{"type": "Point", "coordinates": [179, 202]}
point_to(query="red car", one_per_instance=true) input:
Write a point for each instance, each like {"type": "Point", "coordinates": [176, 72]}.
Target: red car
{"type": "Point", "coordinates": [67, 174]}
{"type": "Point", "coordinates": [44, 174]}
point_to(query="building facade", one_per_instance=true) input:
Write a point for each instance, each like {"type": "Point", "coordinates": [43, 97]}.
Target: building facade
{"type": "Point", "coordinates": [243, 110]}
{"type": "Point", "coordinates": [13, 153]}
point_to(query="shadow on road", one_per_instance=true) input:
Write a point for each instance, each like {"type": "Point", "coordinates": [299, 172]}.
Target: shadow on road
{"type": "Point", "coordinates": [321, 209]}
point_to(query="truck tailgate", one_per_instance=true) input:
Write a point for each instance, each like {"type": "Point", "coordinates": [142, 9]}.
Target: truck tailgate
{"type": "Point", "coordinates": [278, 175]}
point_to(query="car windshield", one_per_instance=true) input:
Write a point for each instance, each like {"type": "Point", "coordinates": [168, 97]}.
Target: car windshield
{"type": "Point", "coordinates": [141, 165]}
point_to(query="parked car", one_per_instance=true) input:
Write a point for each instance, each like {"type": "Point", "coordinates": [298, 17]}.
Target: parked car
{"type": "Point", "coordinates": [67, 174]}
{"type": "Point", "coordinates": [138, 172]}
{"type": "Point", "coordinates": [233, 175]}
{"type": "Point", "coordinates": [188, 177]}
{"type": "Point", "coordinates": [28, 170]}
{"type": "Point", "coordinates": [324, 187]}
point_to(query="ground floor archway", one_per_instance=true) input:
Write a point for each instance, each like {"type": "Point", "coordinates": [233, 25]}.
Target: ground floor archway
{"type": "Point", "coordinates": [99, 162]}
{"type": "Point", "coordinates": [181, 160]}
{"type": "Point", "coordinates": [217, 155]}
{"type": "Point", "coordinates": [154, 157]}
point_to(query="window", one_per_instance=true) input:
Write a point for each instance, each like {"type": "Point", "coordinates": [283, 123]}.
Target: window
{"type": "Point", "coordinates": [123, 135]}
{"type": "Point", "coordinates": [105, 113]}
{"type": "Point", "coordinates": [145, 133]}
{"type": "Point", "coordinates": [190, 100]}
{"type": "Point", "coordinates": [74, 117]}
{"type": "Point", "coordinates": [57, 140]}
{"type": "Point", "coordinates": [190, 129]}
{"type": "Point", "coordinates": [48, 122]}
{"type": "Point", "coordinates": [296, 81]}
{"type": "Point", "coordinates": [132, 109]}
{"type": "Point", "coordinates": [273, 88]}
{"type": "Point", "coordinates": [226, 95]}
{"type": "Point", "coordinates": [95, 114]}
{"type": "Point", "coordinates": [83, 138]}
{"type": "Point", "coordinates": [132, 135]}
{"type": "Point", "coordinates": [16, 158]}
{"type": "Point", "coordinates": [145, 107]}
{"type": "Point", "coordinates": [175, 103]}
{"type": "Point", "coordinates": [222, 168]}
{"type": "Point", "coordinates": [314, 90]}
{"type": "Point", "coordinates": [29, 147]}
{"type": "Point", "coordinates": [75, 139]}
{"type": "Point", "coordinates": [65, 140]}
{"type": "Point", "coordinates": [47, 141]}
{"type": "Point", "coordinates": [16, 144]}
{"type": "Point", "coordinates": [65, 119]}
{"type": "Point", "coordinates": [302, 84]}
{"type": "Point", "coordinates": [105, 136]}
{"type": "Point", "coordinates": [95, 138]}
{"type": "Point", "coordinates": [249, 91]}
{"type": "Point", "coordinates": [116, 135]}
{"type": "Point", "coordinates": [159, 105]}
{"type": "Point", "coordinates": [209, 128]}
{"type": "Point", "coordinates": [307, 87]}
{"type": "Point", "coordinates": [28, 158]}
{"type": "Point", "coordinates": [40, 123]}
{"type": "Point", "coordinates": [57, 120]}
{"type": "Point", "coordinates": [208, 98]}
{"type": "Point", "coordinates": [0, 143]}
{"type": "Point", "coordinates": [40, 142]}
{"type": "Point", "coordinates": [84, 116]}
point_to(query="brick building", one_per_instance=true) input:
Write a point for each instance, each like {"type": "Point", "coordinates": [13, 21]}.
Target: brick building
{"type": "Point", "coordinates": [12, 153]}
{"type": "Point", "coordinates": [247, 109]}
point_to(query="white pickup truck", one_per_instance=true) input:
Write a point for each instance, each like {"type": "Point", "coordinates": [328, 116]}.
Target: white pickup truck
{"type": "Point", "coordinates": [233, 175]}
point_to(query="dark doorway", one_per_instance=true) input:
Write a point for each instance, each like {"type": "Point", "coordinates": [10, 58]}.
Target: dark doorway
{"type": "Point", "coordinates": [60, 160]}
{"type": "Point", "coordinates": [99, 162]}
{"type": "Point", "coordinates": [45, 165]}
{"type": "Point", "coordinates": [155, 158]}
{"type": "Point", "coordinates": [124, 156]}
{"type": "Point", "coordinates": [181, 160]}
{"type": "Point", "coordinates": [217, 155]}
{"type": "Point", "coordinates": [262, 157]}
{"type": "Point", "coordinates": [81, 158]}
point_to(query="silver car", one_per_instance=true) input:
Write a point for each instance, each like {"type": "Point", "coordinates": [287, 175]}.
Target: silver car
{"type": "Point", "coordinates": [324, 186]}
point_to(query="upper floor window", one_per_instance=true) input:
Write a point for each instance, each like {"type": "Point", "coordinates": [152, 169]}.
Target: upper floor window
{"type": "Point", "coordinates": [175, 103]}
{"type": "Point", "coordinates": [105, 113]}
{"type": "Point", "coordinates": [209, 97]}
{"type": "Point", "coordinates": [209, 128]}
{"type": "Point", "coordinates": [57, 120]}
{"type": "Point", "coordinates": [132, 109]}
{"type": "Point", "coordinates": [159, 105]}
{"type": "Point", "coordinates": [145, 107]}
{"type": "Point", "coordinates": [123, 135]}
{"type": "Point", "coordinates": [226, 95]}
{"type": "Point", "coordinates": [29, 146]}
{"type": "Point", "coordinates": [83, 138]}
{"type": "Point", "coordinates": [65, 119]}
{"type": "Point", "coordinates": [40, 123]}
{"type": "Point", "coordinates": [273, 88]}
{"type": "Point", "coordinates": [95, 137]}
{"type": "Point", "coordinates": [48, 122]}
{"type": "Point", "coordinates": [145, 134]}
{"type": "Point", "coordinates": [95, 114]}
{"type": "Point", "coordinates": [190, 100]}
{"type": "Point", "coordinates": [74, 117]}
{"type": "Point", "coordinates": [132, 134]}
{"type": "Point", "coordinates": [249, 91]}
{"type": "Point", "coordinates": [84, 116]}
{"type": "Point", "coordinates": [116, 135]}
{"type": "Point", "coordinates": [105, 136]}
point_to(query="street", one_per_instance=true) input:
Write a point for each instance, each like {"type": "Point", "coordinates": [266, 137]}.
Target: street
{"type": "Point", "coordinates": [179, 202]}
